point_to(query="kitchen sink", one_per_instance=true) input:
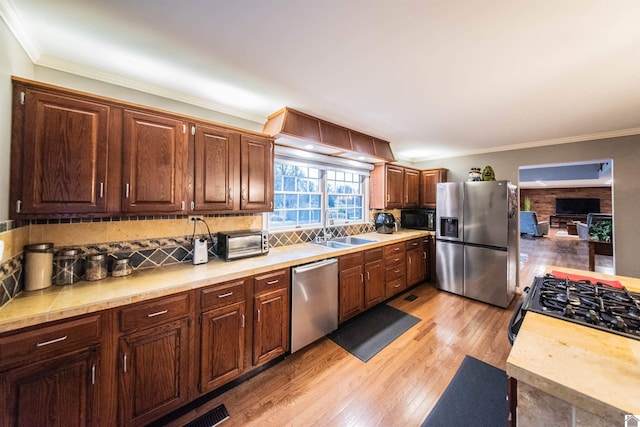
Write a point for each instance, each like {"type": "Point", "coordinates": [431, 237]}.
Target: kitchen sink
{"type": "Point", "coordinates": [352, 241]}
{"type": "Point", "coordinates": [344, 242]}
{"type": "Point", "coordinates": [332, 244]}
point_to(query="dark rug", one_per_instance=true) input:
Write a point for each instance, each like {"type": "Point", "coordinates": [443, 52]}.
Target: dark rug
{"type": "Point", "coordinates": [476, 396]}
{"type": "Point", "coordinates": [368, 333]}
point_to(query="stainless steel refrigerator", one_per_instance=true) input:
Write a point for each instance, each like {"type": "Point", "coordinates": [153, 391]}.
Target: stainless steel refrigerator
{"type": "Point", "coordinates": [476, 240]}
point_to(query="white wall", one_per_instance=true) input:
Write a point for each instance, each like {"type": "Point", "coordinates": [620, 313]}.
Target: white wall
{"type": "Point", "coordinates": [13, 61]}
{"type": "Point", "coordinates": [625, 152]}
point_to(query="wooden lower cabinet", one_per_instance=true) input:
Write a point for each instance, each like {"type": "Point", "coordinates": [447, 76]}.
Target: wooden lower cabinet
{"type": "Point", "coordinates": [373, 277]}
{"type": "Point", "coordinates": [154, 358]}
{"type": "Point", "coordinates": [52, 374]}
{"type": "Point", "coordinates": [394, 269]}
{"type": "Point", "coordinates": [351, 286]}
{"type": "Point", "coordinates": [60, 391]}
{"type": "Point", "coordinates": [271, 316]}
{"type": "Point", "coordinates": [222, 334]}
{"type": "Point", "coordinates": [416, 262]}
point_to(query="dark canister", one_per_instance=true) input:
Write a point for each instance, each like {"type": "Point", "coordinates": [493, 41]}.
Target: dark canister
{"type": "Point", "coordinates": [69, 266]}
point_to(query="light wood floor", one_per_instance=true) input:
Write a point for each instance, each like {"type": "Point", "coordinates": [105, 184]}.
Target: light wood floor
{"type": "Point", "coordinates": [323, 385]}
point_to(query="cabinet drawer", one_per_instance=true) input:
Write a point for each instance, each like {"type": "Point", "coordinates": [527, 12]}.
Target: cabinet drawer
{"type": "Point", "coordinates": [394, 259]}
{"type": "Point", "coordinates": [413, 244]}
{"type": "Point", "coordinates": [63, 337]}
{"type": "Point", "coordinates": [393, 250]}
{"type": "Point", "coordinates": [154, 312]}
{"type": "Point", "coordinates": [395, 272]}
{"type": "Point", "coordinates": [346, 262]}
{"type": "Point", "coordinates": [372, 254]}
{"type": "Point", "coordinates": [393, 287]}
{"type": "Point", "coordinates": [270, 281]}
{"type": "Point", "coordinates": [221, 295]}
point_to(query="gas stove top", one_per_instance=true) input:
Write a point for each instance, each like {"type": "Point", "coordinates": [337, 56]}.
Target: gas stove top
{"type": "Point", "coordinates": [594, 304]}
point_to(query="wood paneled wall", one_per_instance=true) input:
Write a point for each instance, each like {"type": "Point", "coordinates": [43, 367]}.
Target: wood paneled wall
{"type": "Point", "coordinates": [543, 201]}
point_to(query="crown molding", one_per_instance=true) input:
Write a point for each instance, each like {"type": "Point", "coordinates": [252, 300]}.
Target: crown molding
{"type": "Point", "coordinates": [59, 64]}
{"type": "Point", "coordinates": [14, 21]}
{"type": "Point", "coordinates": [533, 144]}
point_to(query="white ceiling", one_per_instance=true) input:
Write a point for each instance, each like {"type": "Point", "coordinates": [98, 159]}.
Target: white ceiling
{"type": "Point", "coordinates": [436, 78]}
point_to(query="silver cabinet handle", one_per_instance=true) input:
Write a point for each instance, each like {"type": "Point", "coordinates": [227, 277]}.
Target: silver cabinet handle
{"type": "Point", "coordinates": [409, 260]}
{"type": "Point", "coordinates": [158, 313]}
{"type": "Point", "coordinates": [93, 375]}
{"type": "Point", "coordinates": [368, 276]}
{"type": "Point", "coordinates": [258, 315]}
{"type": "Point", "coordinates": [184, 129]}
{"type": "Point", "coordinates": [182, 205]}
{"type": "Point", "coordinates": [424, 255]}
{"type": "Point", "coordinates": [273, 282]}
{"type": "Point", "coordinates": [397, 286]}
{"type": "Point", "coordinates": [230, 193]}
{"type": "Point", "coordinates": [361, 277]}
{"type": "Point", "coordinates": [244, 194]}
{"type": "Point", "coordinates": [388, 197]}
{"type": "Point", "coordinates": [126, 190]}
{"type": "Point", "coordinates": [193, 130]}
{"type": "Point", "coordinates": [124, 362]}
{"type": "Point", "coordinates": [396, 249]}
{"type": "Point", "coordinates": [397, 259]}
{"type": "Point", "coordinates": [396, 271]}
{"type": "Point", "coordinates": [242, 321]}
{"type": "Point", "coordinates": [18, 206]}
{"type": "Point", "coordinates": [42, 344]}
{"type": "Point", "coordinates": [228, 294]}
{"type": "Point", "coordinates": [101, 190]}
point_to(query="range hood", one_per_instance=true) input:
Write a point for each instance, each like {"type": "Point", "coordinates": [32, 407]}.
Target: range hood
{"type": "Point", "coordinates": [292, 128]}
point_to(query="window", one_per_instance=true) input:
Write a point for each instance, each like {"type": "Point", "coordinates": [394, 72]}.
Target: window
{"type": "Point", "coordinates": [306, 194]}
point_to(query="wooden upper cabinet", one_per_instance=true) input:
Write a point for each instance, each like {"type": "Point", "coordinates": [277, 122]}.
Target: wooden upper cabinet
{"type": "Point", "coordinates": [256, 171]}
{"type": "Point", "coordinates": [428, 181]}
{"type": "Point", "coordinates": [411, 185]}
{"type": "Point", "coordinates": [60, 157]}
{"type": "Point", "coordinates": [154, 163]}
{"type": "Point", "coordinates": [394, 187]}
{"type": "Point", "coordinates": [217, 169]}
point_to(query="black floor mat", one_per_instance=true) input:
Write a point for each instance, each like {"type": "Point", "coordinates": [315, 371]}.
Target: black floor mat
{"type": "Point", "coordinates": [211, 418]}
{"type": "Point", "coordinates": [476, 396]}
{"type": "Point", "coordinates": [365, 335]}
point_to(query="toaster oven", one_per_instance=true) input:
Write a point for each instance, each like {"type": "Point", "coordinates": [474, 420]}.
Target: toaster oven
{"type": "Point", "coordinates": [242, 244]}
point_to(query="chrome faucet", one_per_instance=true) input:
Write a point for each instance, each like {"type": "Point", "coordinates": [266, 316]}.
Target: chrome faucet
{"type": "Point", "coordinates": [326, 235]}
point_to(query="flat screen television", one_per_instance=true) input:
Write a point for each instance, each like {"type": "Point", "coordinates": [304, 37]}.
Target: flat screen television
{"type": "Point", "coordinates": [577, 206]}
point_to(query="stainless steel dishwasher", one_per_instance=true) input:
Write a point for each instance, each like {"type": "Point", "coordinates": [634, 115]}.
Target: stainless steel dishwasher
{"type": "Point", "coordinates": [314, 307]}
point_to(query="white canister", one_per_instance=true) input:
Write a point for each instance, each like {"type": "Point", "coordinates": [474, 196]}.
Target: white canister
{"type": "Point", "coordinates": [38, 266]}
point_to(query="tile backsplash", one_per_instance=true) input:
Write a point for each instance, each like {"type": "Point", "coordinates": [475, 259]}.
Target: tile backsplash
{"type": "Point", "coordinates": [136, 239]}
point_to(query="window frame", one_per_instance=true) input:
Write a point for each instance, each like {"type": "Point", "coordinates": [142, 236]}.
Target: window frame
{"type": "Point", "coordinates": [324, 208]}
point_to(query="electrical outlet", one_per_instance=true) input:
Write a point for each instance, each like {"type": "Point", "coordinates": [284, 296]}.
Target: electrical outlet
{"type": "Point", "coordinates": [195, 218]}
{"type": "Point", "coordinates": [1, 249]}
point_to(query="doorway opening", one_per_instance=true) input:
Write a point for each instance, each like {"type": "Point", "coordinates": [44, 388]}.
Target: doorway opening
{"type": "Point", "coordinates": [567, 200]}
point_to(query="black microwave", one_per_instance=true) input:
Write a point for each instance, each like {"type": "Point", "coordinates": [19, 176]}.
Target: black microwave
{"type": "Point", "coordinates": [418, 219]}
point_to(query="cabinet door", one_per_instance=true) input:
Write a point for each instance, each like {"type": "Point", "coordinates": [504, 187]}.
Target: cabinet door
{"type": "Point", "coordinates": [217, 169]}
{"type": "Point", "coordinates": [256, 173]}
{"type": "Point", "coordinates": [415, 266]}
{"type": "Point", "coordinates": [153, 372]}
{"type": "Point", "coordinates": [222, 340]}
{"type": "Point", "coordinates": [351, 292]}
{"type": "Point", "coordinates": [60, 391]}
{"type": "Point", "coordinates": [428, 181]}
{"type": "Point", "coordinates": [271, 325]}
{"type": "Point", "coordinates": [395, 187]}
{"type": "Point", "coordinates": [411, 185]}
{"type": "Point", "coordinates": [373, 283]}
{"type": "Point", "coordinates": [154, 163]}
{"type": "Point", "coordinates": [64, 164]}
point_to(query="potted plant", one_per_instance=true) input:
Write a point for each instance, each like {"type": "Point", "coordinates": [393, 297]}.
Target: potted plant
{"type": "Point", "coordinates": [602, 231]}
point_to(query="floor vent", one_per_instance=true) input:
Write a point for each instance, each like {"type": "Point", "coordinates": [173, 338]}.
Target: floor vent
{"type": "Point", "coordinates": [411, 298]}
{"type": "Point", "coordinates": [212, 418]}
